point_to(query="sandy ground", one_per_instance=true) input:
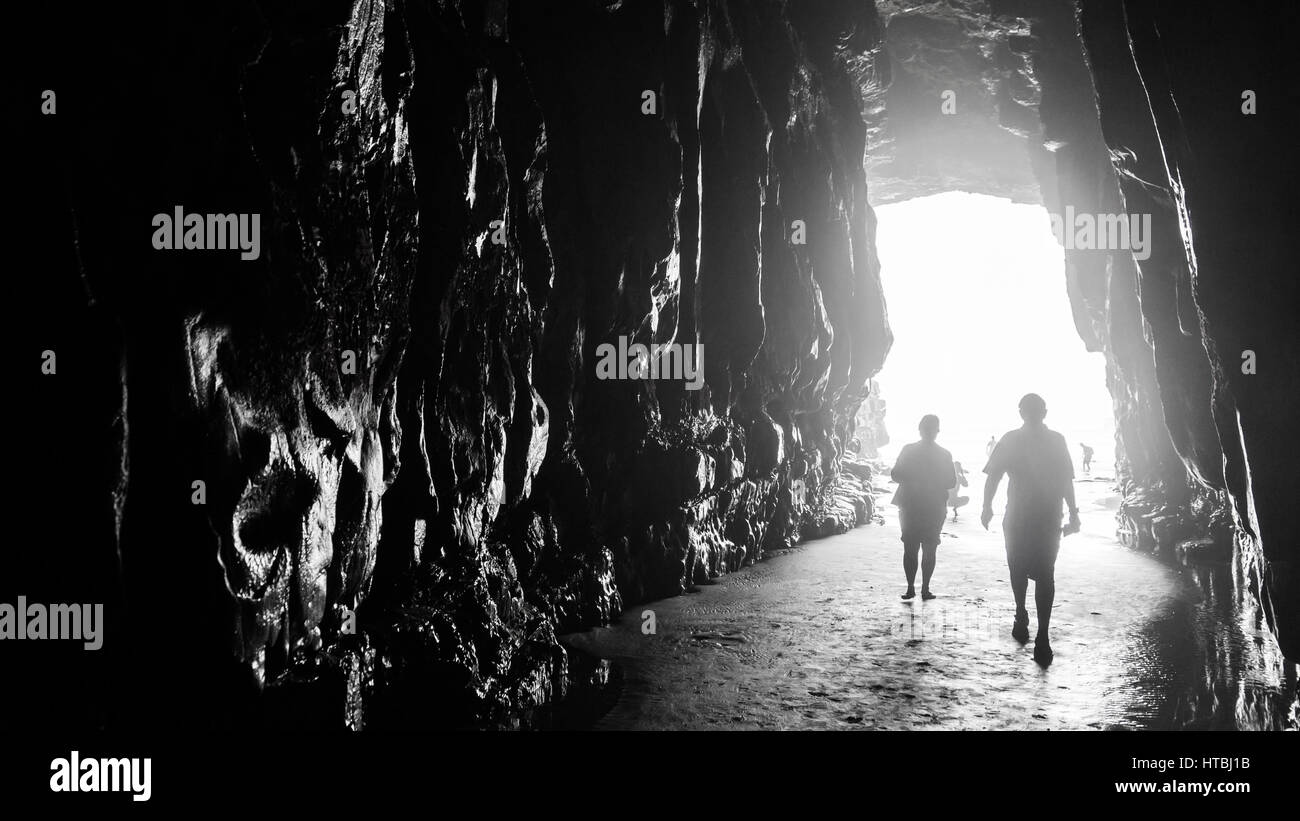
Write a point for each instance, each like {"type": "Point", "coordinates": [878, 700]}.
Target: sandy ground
{"type": "Point", "coordinates": [818, 638]}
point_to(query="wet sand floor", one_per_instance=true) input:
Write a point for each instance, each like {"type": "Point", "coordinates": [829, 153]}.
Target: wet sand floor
{"type": "Point", "coordinates": [818, 638]}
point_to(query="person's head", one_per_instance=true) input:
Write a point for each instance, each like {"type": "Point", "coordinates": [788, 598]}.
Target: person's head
{"type": "Point", "coordinates": [1033, 409]}
{"type": "Point", "coordinates": [929, 427]}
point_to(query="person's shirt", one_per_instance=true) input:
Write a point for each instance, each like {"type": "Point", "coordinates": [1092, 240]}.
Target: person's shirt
{"type": "Point", "coordinates": [924, 473]}
{"type": "Point", "coordinates": [1037, 460]}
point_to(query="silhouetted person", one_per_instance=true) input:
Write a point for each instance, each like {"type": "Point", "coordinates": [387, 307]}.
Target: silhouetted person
{"type": "Point", "coordinates": [924, 473]}
{"type": "Point", "coordinates": [955, 501]}
{"type": "Point", "coordinates": [988, 449]}
{"type": "Point", "coordinates": [1087, 458]}
{"type": "Point", "coordinates": [1038, 462]}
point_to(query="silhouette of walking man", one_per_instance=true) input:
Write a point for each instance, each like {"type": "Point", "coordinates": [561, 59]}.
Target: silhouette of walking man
{"type": "Point", "coordinates": [924, 473]}
{"type": "Point", "coordinates": [1087, 458]}
{"type": "Point", "coordinates": [1038, 461]}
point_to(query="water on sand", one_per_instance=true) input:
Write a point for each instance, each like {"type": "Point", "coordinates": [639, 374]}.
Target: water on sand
{"type": "Point", "coordinates": [817, 638]}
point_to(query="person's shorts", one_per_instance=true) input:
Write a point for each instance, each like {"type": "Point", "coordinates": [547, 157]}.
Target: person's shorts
{"type": "Point", "coordinates": [922, 525]}
{"type": "Point", "coordinates": [1032, 549]}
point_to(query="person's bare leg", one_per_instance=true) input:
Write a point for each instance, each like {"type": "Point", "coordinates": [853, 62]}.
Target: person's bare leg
{"type": "Point", "coordinates": [1019, 587]}
{"type": "Point", "coordinates": [910, 549]}
{"type": "Point", "coordinates": [928, 555]}
{"type": "Point", "coordinates": [1044, 594]}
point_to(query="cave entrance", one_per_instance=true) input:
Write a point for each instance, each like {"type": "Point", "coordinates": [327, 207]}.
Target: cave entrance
{"type": "Point", "coordinates": [978, 306]}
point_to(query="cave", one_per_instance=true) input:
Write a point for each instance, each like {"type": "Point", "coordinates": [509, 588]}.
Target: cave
{"type": "Point", "coordinates": [367, 476]}
{"type": "Point", "coordinates": [975, 298]}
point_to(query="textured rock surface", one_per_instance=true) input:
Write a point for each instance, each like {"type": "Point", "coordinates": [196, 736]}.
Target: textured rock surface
{"type": "Point", "coordinates": [1218, 282]}
{"type": "Point", "coordinates": [495, 208]}
{"type": "Point", "coordinates": [956, 102]}
{"type": "Point", "coordinates": [1108, 108]}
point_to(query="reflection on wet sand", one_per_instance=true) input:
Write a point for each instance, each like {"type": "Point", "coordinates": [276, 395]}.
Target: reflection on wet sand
{"type": "Point", "coordinates": [1235, 676]}
{"type": "Point", "coordinates": [818, 639]}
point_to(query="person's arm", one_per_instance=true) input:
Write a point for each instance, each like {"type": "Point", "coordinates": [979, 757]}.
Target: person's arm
{"type": "Point", "coordinates": [1073, 525]}
{"type": "Point", "coordinates": [1070, 505]}
{"type": "Point", "coordinates": [996, 469]}
{"type": "Point", "coordinates": [951, 474]}
{"type": "Point", "coordinates": [899, 473]}
{"type": "Point", "coordinates": [990, 490]}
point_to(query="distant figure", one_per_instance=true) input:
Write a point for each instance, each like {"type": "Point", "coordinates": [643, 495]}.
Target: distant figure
{"type": "Point", "coordinates": [924, 473]}
{"type": "Point", "coordinates": [1087, 458]}
{"type": "Point", "coordinates": [1038, 461]}
{"type": "Point", "coordinates": [993, 443]}
{"type": "Point", "coordinates": [955, 501]}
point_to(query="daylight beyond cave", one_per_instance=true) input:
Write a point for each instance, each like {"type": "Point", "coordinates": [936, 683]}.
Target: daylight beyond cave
{"type": "Point", "coordinates": [400, 545]}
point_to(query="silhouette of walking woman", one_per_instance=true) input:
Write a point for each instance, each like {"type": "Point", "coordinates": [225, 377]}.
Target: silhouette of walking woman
{"type": "Point", "coordinates": [924, 473]}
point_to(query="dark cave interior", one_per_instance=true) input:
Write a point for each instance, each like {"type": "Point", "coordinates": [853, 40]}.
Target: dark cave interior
{"type": "Point", "coordinates": [496, 204]}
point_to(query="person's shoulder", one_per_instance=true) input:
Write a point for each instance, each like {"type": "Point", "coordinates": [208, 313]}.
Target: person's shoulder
{"type": "Point", "coordinates": [944, 452]}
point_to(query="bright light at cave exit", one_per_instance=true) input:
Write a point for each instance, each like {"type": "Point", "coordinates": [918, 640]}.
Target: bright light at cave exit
{"type": "Point", "coordinates": [975, 288]}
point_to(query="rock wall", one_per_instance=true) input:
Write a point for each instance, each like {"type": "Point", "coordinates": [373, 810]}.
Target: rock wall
{"type": "Point", "coordinates": [413, 473]}
{"type": "Point", "coordinates": [1217, 284]}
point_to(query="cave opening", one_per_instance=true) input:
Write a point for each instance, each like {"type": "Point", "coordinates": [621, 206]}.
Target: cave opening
{"type": "Point", "coordinates": [488, 496]}
{"type": "Point", "coordinates": [980, 317]}
{"type": "Point", "coordinates": [979, 303]}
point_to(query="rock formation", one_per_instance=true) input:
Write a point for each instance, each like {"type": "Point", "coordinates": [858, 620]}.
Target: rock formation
{"type": "Point", "coordinates": [413, 476]}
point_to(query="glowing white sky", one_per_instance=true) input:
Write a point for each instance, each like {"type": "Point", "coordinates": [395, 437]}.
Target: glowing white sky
{"type": "Point", "coordinates": [975, 288]}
